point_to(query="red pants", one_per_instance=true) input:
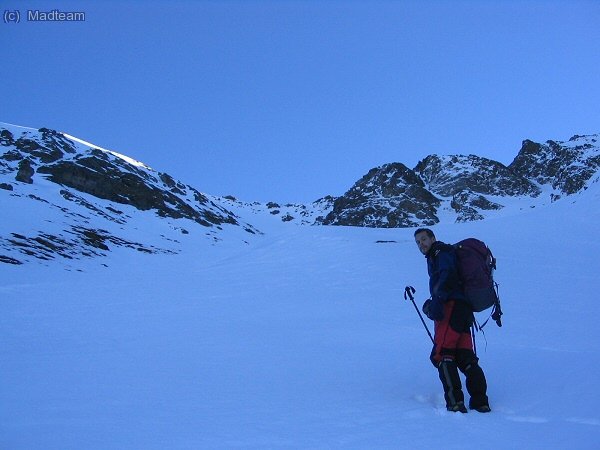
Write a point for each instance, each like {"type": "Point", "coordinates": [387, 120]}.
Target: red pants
{"type": "Point", "coordinates": [453, 332]}
{"type": "Point", "coordinates": [453, 351]}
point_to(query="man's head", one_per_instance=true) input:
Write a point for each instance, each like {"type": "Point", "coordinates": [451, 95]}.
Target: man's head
{"type": "Point", "coordinates": [424, 238]}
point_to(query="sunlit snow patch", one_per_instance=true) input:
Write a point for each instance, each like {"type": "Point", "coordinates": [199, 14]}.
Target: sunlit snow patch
{"type": "Point", "coordinates": [118, 155]}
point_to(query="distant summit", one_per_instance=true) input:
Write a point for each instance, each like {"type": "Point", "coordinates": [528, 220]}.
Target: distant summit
{"type": "Point", "coordinates": [388, 196]}
{"type": "Point", "coordinates": [466, 188]}
{"type": "Point", "coordinates": [565, 166]}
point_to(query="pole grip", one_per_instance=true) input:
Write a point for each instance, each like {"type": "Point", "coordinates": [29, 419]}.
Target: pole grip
{"type": "Point", "coordinates": [408, 294]}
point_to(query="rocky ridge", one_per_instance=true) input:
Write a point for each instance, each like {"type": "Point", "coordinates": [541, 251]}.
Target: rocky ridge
{"type": "Point", "coordinates": [565, 166]}
{"type": "Point", "coordinates": [388, 196]}
{"type": "Point", "coordinates": [81, 186]}
{"type": "Point", "coordinates": [85, 201]}
{"type": "Point", "coordinates": [105, 175]}
{"type": "Point", "coordinates": [467, 188]}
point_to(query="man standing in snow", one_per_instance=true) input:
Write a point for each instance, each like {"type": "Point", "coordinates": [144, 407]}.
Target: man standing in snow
{"type": "Point", "coordinates": [453, 317]}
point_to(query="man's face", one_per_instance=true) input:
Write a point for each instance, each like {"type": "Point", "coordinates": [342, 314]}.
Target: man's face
{"type": "Point", "coordinates": [424, 242]}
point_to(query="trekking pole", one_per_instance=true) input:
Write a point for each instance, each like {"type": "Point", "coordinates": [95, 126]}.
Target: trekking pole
{"type": "Point", "coordinates": [408, 293]}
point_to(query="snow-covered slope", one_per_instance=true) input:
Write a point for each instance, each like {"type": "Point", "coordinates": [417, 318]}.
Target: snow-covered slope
{"type": "Point", "coordinates": [67, 199]}
{"type": "Point", "coordinates": [301, 340]}
{"type": "Point", "coordinates": [266, 213]}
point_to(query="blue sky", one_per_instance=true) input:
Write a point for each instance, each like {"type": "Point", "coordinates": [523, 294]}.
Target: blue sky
{"type": "Point", "coordinates": [294, 100]}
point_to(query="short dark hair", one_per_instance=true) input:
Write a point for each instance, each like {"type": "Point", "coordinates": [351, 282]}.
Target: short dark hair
{"type": "Point", "coordinates": [425, 230]}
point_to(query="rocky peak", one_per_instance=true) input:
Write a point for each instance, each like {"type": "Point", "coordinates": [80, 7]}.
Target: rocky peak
{"type": "Point", "coordinates": [469, 179]}
{"type": "Point", "coordinates": [566, 166]}
{"type": "Point", "coordinates": [453, 174]}
{"type": "Point", "coordinates": [391, 196]}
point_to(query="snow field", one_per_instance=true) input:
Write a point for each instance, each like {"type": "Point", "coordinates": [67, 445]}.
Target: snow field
{"type": "Point", "coordinates": [300, 339]}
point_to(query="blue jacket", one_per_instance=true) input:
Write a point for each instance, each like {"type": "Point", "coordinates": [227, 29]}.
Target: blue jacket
{"type": "Point", "coordinates": [444, 283]}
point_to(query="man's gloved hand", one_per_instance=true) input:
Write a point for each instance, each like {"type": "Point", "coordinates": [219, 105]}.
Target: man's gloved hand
{"type": "Point", "coordinates": [435, 357]}
{"type": "Point", "coordinates": [433, 310]}
{"type": "Point", "coordinates": [427, 308]}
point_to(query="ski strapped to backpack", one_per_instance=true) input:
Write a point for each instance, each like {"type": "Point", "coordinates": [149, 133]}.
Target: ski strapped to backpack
{"type": "Point", "coordinates": [476, 265]}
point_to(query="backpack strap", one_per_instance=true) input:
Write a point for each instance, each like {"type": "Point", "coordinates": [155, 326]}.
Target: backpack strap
{"type": "Point", "coordinates": [477, 327]}
{"type": "Point", "coordinates": [496, 313]}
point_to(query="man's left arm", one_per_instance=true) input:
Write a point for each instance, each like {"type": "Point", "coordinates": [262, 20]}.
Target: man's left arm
{"type": "Point", "coordinates": [447, 276]}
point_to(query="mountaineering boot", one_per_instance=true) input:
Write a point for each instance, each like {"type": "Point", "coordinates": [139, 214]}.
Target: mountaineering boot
{"type": "Point", "coordinates": [475, 380]}
{"type": "Point", "coordinates": [453, 393]}
{"type": "Point", "coordinates": [457, 407]}
{"type": "Point", "coordinates": [483, 409]}
{"type": "Point", "coordinates": [477, 388]}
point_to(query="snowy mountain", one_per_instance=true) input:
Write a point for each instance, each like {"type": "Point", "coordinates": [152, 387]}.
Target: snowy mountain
{"type": "Point", "coordinates": [462, 188]}
{"type": "Point", "coordinates": [69, 199]}
{"type": "Point", "coordinates": [83, 199]}
{"type": "Point", "coordinates": [388, 196]}
{"type": "Point", "coordinates": [473, 184]}
{"type": "Point", "coordinates": [566, 166]}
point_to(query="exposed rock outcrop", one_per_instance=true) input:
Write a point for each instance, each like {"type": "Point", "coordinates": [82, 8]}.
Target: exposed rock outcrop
{"type": "Point", "coordinates": [389, 196]}
{"type": "Point", "coordinates": [566, 166]}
